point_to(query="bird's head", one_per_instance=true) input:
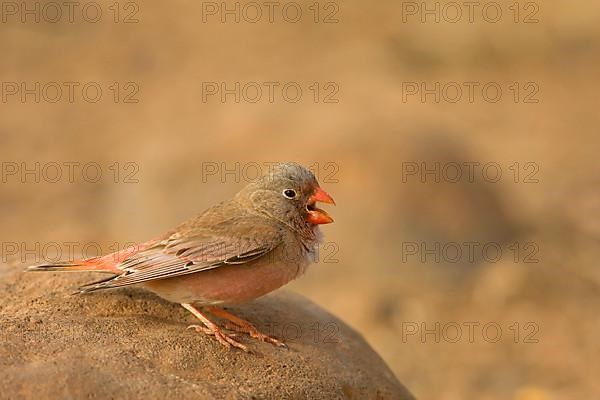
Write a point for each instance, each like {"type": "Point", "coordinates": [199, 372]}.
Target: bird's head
{"type": "Point", "coordinates": [289, 193]}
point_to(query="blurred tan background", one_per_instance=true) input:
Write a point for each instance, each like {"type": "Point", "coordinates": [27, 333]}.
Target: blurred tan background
{"type": "Point", "coordinates": [360, 145]}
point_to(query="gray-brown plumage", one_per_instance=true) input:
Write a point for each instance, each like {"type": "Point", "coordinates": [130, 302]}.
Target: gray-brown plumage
{"type": "Point", "coordinates": [233, 252]}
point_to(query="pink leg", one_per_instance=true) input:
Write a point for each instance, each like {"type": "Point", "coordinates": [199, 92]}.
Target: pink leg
{"type": "Point", "coordinates": [210, 328]}
{"type": "Point", "coordinates": [241, 325]}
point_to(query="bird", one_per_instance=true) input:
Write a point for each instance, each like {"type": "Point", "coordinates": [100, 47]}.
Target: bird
{"type": "Point", "coordinates": [265, 236]}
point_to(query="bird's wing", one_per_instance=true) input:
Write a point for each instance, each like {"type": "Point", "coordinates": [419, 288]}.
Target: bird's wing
{"type": "Point", "coordinates": [207, 242]}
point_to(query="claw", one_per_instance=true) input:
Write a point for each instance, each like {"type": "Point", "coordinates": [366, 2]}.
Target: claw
{"type": "Point", "coordinates": [210, 328]}
{"type": "Point", "coordinates": [240, 325]}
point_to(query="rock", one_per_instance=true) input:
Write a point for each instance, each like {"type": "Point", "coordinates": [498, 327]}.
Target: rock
{"type": "Point", "coordinates": [130, 344]}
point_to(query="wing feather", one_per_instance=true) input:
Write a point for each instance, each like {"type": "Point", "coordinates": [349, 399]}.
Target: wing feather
{"type": "Point", "coordinates": [204, 243]}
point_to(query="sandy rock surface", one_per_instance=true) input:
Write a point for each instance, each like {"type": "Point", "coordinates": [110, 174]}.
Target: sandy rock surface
{"type": "Point", "coordinates": [130, 344]}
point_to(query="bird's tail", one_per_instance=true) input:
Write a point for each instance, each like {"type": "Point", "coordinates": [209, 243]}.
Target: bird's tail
{"type": "Point", "coordinates": [101, 264]}
{"type": "Point", "coordinates": [107, 263]}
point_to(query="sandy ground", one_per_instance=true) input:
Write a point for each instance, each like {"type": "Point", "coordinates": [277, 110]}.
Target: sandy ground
{"type": "Point", "coordinates": [130, 344]}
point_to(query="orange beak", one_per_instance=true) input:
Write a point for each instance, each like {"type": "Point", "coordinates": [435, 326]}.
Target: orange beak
{"type": "Point", "coordinates": [317, 216]}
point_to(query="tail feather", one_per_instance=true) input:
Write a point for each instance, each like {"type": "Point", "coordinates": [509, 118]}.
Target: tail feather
{"type": "Point", "coordinates": [66, 266]}
{"type": "Point", "coordinates": [108, 263]}
{"type": "Point", "coordinates": [93, 286]}
{"type": "Point", "coordinates": [90, 264]}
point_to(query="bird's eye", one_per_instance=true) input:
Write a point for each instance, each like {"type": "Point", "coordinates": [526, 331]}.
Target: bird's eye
{"type": "Point", "coordinates": [289, 193]}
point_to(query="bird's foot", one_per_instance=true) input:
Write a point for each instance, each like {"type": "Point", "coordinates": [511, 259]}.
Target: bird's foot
{"type": "Point", "coordinates": [224, 338]}
{"type": "Point", "coordinates": [210, 328]}
{"type": "Point", "coordinates": [238, 324]}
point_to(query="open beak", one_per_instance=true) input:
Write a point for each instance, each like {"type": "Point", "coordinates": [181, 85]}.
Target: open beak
{"type": "Point", "coordinates": [317, 216]}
